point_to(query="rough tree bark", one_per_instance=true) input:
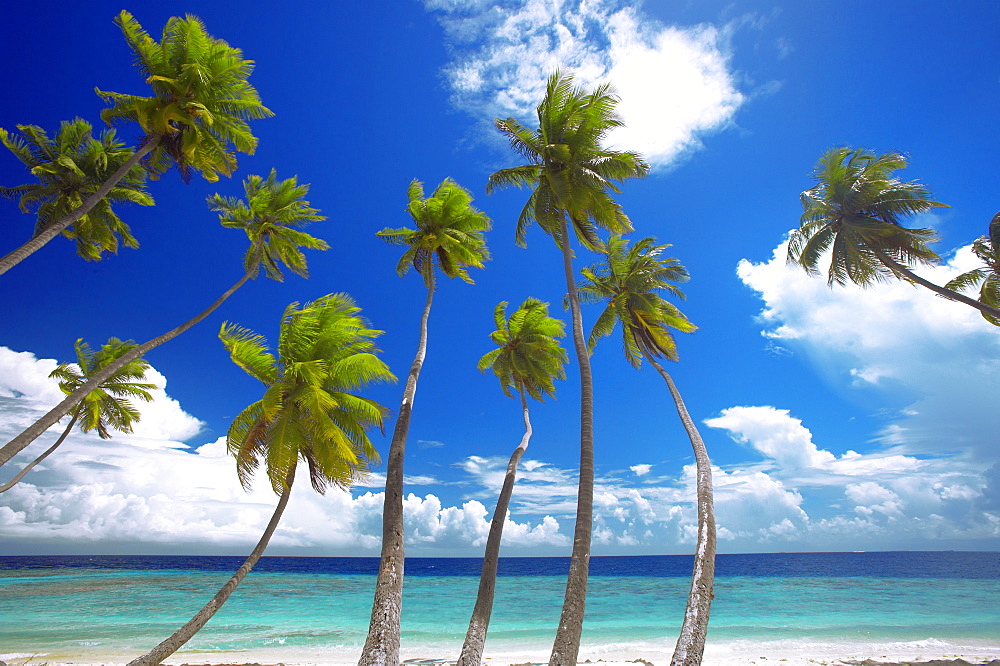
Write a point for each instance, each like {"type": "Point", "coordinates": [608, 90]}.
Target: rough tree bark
{"type": "Point", "coordinates": [479, 624]}
{"type": "Point", "coordinates": [691, 644]}
{"type": "Point", "coordinates": [20, 475]}
{"type": "Point", "coordinates": [566, 645]}
{"type": "Point", "coordinates": [382, 644]}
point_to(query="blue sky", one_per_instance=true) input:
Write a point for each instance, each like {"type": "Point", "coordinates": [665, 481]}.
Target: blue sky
{"type": "Point", "coordinates": [836, 419]}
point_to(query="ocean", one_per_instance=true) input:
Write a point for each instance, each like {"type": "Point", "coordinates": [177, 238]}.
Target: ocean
{"type": "Point", "coordinates": [315, 610]}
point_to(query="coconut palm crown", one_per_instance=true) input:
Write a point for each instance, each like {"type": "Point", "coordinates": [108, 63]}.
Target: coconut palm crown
{"type": "Point", "coordinates": [70, 167]}
{"type": "Point", "coordinates": [528, 357]}
{"type": "Point", "coordinates": [309, 410]}
{"type": "Point", "coordinates": [449, 233]}
{"type": "Point", "coordinates": [987, 277]}
{"type": "Point", "coordinates": [572, 174]}
{"type": "Point", "coordinates": [856, 209]}
{"type": "Point", "coordinates": [270, 215]}
{"type": "Point", "coordinates": [201, 100]}
{"type": "Point", "coordinates": [108, 406]}
{"type": "Point", "coordinates": [630, 279]}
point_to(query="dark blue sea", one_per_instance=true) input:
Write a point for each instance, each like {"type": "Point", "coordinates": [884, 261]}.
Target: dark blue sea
{"type": "Point", "coordinates": [315, 610]}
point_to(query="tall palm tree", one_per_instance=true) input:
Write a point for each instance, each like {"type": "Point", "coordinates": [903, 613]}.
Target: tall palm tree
{"type": "Point", "coordinates": [270, 215]}
{"type": "Point", "coordinates": [201, 104]}
{"type": "Point", "coordinates": [449, 237]}
{"type": "Point", "coordinates": [987, 277]}
{"type": "Point", "coordinates": [309, 411]}
{"type": "Point", "coordinates": [855, 210]}
{"type": "Point", "coordinates": [69, 168]}
{"type": "Point", "coordinates": [106, 407]}
{"type": "Point", "coordinates": [572, 178]}
{"type": "Point", "coordinates": [630, 280]}
{"type": "Point", "coordinates": [528, 359]}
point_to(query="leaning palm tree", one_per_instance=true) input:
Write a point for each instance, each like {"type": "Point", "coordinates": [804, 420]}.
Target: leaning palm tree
{"type": "Point", "coordinates": [269, 216]}
{"type": "Point", "coordinates": [572, 177]}
{"type": "Point", "coordinates": [70, 167]}
{"type": "Point", "coordinates": [855, 212]}
{"type": "Point", "coordinates": [987, 277]}
{"type": "Point", "coordinates": [309, 411]}
{"type": "Point", "coordinates": [449, 237]}
{"type": "Point", "coordinates": [528, 359]}
{"type": "Point", "coordinates": [630, 281]}
{"type": "Point", "coordinates": [105, 408]}
{"type": "Point", "coordinates": [201, 104]}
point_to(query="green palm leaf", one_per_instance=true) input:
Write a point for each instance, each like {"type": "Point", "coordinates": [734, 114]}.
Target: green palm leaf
{"type": "Point", "coordinates": [201, 99]}
{"type": "Point", "coordinates": [855, 213]}
{"type": "Point", "coordinates": [325, 351]}
{"type": "Point", "coordinates": [69, 168]}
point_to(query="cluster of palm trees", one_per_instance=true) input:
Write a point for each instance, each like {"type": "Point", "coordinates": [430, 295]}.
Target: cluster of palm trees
{"type": "Point", "coordinates": [310, 411]}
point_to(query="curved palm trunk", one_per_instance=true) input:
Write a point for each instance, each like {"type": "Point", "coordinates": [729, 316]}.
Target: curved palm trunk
{"type": "Point", "coordinates": [36, 242]}
{"type": "Point", "coordinates": [475, 638]}
{"type": "Point", "coordinates": [907, 274]}
{"type": "Point", "coordinates": [691, 643]}
{"type": "Point", "coordinates": [14, 446]}
{"type": "Point", "coordinates": [566, 645]}
{"type": "Point", "coordinates": [382, 644]}
{"type": "Point", "coordinates": [185, 633]}
{"type": "Point", "coordinates": [20, 475]}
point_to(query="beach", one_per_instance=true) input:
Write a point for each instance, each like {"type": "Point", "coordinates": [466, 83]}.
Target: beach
{"type": "Point", "coordinates": [764, 656]}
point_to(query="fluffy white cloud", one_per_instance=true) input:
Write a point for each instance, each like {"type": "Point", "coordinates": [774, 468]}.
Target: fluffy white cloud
{"type": "Point", "coordinates": [148, 492]}
{"type": "Point", "coordinates": [674, 83]}
{"type": "Point", "coordinates": [26, 377]}
{"type": "Point", "coordinates": [896, 338]}
{"type": "Point", "coordinates": [641, 470]}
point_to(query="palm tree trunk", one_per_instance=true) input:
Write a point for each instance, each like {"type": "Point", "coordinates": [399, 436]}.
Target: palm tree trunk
{"type": "Point", "coordinates": [185, 633]}
{"type": "Point", "coordinates": [475, 638]}
{"type": "Point", "coordinates": [13, 482]}
{"type": "Point", "coordinates": [382, 644]}
{"type": "Point", "coordinates": [51, 231]}
{"type": "Point", "coordinates": [14, 446]}
{"type": "Point", "coordinates": [691, 643]}
{"type": "Point", "coordinates": [566, 645]}
{"type": "Point", "coordinates": [907, 274]}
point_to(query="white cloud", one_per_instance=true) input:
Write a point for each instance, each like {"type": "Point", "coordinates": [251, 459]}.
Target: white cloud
{"type": "Point", "coordinates": [151, 493]}
{"type": "Point", "coordinates": [26, 377]}
{"type": "Point", "coordinates": [674, 83]}
{"type": "Point", "coordinates": [896, 338]}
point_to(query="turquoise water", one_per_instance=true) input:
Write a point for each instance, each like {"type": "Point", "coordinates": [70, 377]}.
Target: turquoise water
{"type": "Point", "coordinates": [92, 612]}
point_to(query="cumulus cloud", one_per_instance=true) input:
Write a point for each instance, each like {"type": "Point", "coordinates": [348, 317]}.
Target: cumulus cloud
{"type": "Point", "coordinates": [149, 492]}
{"type": "Point", "coordinates": [675, 83]}
{"type": "Point", "coordinates": [26, 377]}
{"type": "Point", "coordinates": [895, 338]}
{"type": "Point", "coordinates": [641, 470]}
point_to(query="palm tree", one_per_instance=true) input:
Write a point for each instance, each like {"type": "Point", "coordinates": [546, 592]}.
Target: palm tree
{"type": "Point", "coordinates": [855, 210]}
{"type": "Point", "coordinates": [528, 359]}
{"type": "Point", "coordinates": [269, 216]}
{"type": "Point", "coordinates": [201, 103]}
{"type": "Point", "coordinates": [987, 278]}
{"type": "Point", "coordinates": [630, 280]}
{"type": "Point", "coordinates": [69, 168]}
{"type": "Point", "coordinates": [572, 177]}
{"type": "Point", "coordinates": [309, 411]}
{"type": "Point", "coordinates": [449, 236]}
{"type": "Point", "coordinates": [106, 407]}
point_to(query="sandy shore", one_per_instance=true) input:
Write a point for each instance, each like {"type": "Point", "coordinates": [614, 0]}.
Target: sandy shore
{"type": "Point", "coordinates": [818, 658]}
